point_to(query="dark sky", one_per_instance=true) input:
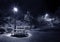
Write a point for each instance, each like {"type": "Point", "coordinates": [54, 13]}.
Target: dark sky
{"type": "Point", "coordinates": [34, 6]}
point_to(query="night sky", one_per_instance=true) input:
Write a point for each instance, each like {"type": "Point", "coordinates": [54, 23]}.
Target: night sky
{"type": "Point", "coordinates": [36, 7]}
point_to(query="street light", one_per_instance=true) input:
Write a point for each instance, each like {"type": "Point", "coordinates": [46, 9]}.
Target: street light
{"type": "Point", "coordinates": [15, 10]}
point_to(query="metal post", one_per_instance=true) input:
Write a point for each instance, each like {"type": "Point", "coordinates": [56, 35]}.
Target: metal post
{"type": "Point", "coordinates": [15, 25]}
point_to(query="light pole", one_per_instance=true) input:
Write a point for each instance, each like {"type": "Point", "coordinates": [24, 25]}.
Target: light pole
{"type": "Point", "coordinates": [15, 10]}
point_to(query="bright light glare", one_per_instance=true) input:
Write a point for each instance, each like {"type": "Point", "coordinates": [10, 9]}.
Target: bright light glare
{"type": "Point", "coordinates": [46, 15]}
{"type": "Point", "coordinates": [29, 35]}
{"type": "Point", "coordinates": [49, 19]}
{"type": "Point", "coordinates": [46, 18]}
{"type": "Point", "coordinates": [15, 9]}
{"type": "Point", "coordinates": [8, 35]}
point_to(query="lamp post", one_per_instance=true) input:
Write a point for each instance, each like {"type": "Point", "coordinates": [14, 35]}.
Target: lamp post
{"type": "Point", "coordinates": [15, 10]}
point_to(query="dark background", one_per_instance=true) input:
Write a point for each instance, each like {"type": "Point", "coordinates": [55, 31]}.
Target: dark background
{"type": "Point", "coordinates": [35, 7]}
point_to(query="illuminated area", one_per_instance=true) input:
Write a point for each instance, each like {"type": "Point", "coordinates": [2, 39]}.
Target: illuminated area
{"type": "Point", "coordinates": [15, 9]}
{"type": "Point", "coordinates": [10, 35]}
{"type": "Point", "coordinates": [46, 18]}
{"type": "Point", "coordinates": [29, 35]}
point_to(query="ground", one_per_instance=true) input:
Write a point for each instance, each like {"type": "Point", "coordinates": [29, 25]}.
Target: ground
{"type": "Point", "coordinates": [36, 36]}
